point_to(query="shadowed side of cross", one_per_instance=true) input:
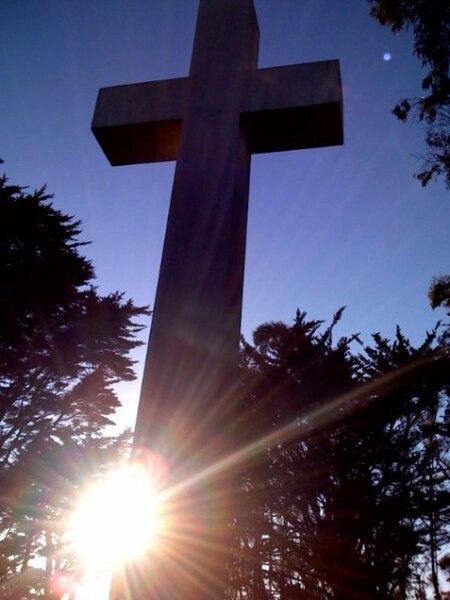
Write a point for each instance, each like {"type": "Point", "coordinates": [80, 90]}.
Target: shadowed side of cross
{"type": "Point", "coordinates": [210, 123]}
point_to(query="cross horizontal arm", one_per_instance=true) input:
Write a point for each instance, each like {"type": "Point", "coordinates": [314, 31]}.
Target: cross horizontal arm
{"type": "Point", "coordinates": [282, 108]}
{"type": "Point", "coordinates": [293, 107]}
{"type": "Point", "coordinates": [141, 122]}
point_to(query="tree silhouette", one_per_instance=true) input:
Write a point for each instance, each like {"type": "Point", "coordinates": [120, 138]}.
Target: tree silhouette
{"type": "Point", "coordinates": [430, 23]}
{"type": "Point", "coordinates": [439, 296]}
{"type": "Point", "coordinates": [62, 349]}
{"type": "Point", "coordinates": [345, 493]}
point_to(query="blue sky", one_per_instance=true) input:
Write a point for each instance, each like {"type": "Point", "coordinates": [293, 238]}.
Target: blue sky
{"type": "Point", "coordinates": [327, 227]}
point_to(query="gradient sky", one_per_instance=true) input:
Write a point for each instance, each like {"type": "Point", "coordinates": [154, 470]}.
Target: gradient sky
{"type": "Point", "coordinates": [327, 227]}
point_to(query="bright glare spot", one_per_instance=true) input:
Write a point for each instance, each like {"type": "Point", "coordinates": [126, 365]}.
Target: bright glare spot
{"type": "Point", "coordinates": [387, 56]}
{"type": "Point", "coordinates": [93, 587]}
{"type": "Point", "coordinates": [117, 519]}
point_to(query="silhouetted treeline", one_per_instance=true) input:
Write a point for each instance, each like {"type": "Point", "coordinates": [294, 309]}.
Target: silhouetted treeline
{"type": "Point", "coordinates": [346, 492]}
{"type": "Point", "coordinates": [62, 348]}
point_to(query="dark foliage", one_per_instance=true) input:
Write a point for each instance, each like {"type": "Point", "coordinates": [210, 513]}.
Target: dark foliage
{"type": "Point", "coordinates": [439, 293]}
{"type": "Point", "coordinates": [429, 21]}
{"type": "Point", "coordinates": [439, 297]}
{"type": "Point", "coordinates": [62, 349]}
{"type": "Point", "coordinates": [345, 494]}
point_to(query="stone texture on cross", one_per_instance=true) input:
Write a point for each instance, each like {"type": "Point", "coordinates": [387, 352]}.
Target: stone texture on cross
{"type": "Point", "coordinates": [210, 123]}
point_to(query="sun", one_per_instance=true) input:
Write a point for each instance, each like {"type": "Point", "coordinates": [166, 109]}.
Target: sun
{"type": "Point", "coordinates": [116, 519]}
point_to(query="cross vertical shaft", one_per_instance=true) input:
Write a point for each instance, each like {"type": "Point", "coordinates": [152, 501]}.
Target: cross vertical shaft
{"type": "Point", "coordinates": [196, 319]}
{"type": "Point", "coordinates": [189, 386]}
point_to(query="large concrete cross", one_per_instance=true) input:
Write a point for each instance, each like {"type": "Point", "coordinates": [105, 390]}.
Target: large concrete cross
{"type": "Point", "coordinates": [210, 123]}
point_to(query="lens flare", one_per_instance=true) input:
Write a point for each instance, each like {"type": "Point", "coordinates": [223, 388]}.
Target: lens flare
{"type": "Point", "coordinates": [116, 519]}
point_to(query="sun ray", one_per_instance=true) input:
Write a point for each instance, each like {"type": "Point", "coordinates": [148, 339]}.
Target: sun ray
{"type": "Point", "coordinates": [134, 512]}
